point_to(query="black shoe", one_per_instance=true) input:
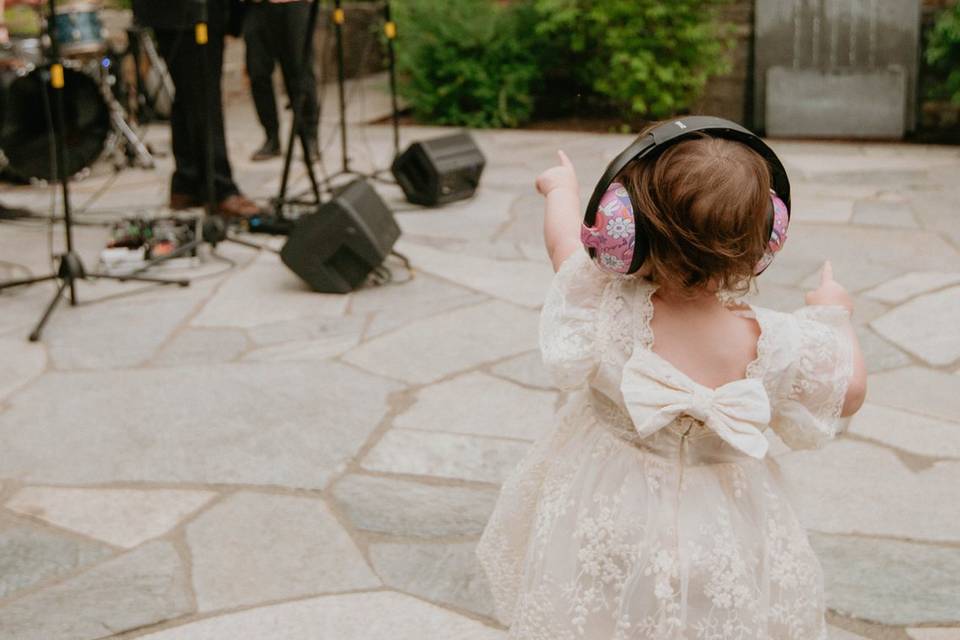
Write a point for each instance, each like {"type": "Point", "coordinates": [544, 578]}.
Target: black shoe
{"type": "Point", "coordinates": [270, 149]}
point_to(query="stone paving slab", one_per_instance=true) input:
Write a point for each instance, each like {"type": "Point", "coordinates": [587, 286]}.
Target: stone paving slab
{"type": "Point", "coordinates": [338, 443]}
{"type": "Point", "coordinates": [251, 423]}
{"type": "Point", "coordinates": [472, 336]}
{"type": "Point", "coordinates": [121, 517]}
{"type": "Point", "coordinates": [143, 587]}
{"type": "Point", "coordinates": [344, 617]}
{"type": "Point", "coordinates": [891, 499]}
{"type": "Point", "coordinates": [30, 555]}
{"type": "Point", "coordinates": [391, 506]}
{"type": "Point", "coordinates": [889, 581]}
{"type": "Point", "coordinates": [254, 548]}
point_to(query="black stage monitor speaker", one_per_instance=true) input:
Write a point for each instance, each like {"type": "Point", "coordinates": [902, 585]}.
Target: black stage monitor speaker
{"type": "Point", "coordinates": [336, 248]}
{"type": "Point", "coordinates": [438, 171]}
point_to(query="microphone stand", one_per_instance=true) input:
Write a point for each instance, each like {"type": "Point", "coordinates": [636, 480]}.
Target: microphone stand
{"type": "Point", "coordinates": [213, 228]}
{"type": "Point", "coordinates": [70, 268]}
{"type": "Point", "coordinates": [299, 103]}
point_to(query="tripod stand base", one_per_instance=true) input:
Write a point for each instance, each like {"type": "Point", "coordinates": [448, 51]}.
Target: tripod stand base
{"type": "Point", "coordinates": [69, 271]}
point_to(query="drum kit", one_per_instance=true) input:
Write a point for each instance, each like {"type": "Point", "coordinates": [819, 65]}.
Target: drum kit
{"type": "Point", "coordinates": [97, 124]}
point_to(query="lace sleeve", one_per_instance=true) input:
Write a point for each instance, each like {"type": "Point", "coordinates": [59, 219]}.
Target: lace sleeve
{"type": "Point", "coordinates": [822, 364]}
{"type": "Point", "coordinates": [568, 323]}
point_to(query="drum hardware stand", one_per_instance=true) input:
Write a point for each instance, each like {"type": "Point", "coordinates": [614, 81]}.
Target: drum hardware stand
{"type": "Point", "coordinates": [141, 44]}
{"type": "Point", "coordinates": [124, 140]}
{"type": "Point", "coordinates": [70, 268]}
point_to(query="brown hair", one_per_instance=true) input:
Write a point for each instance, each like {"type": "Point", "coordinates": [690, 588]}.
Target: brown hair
{"type": "Point", "coordinates": [703, 206]}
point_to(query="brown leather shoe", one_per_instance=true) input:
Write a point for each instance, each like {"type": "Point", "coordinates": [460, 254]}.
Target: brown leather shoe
{"type": "Point", "coordinates": [183, 201]}
{"type": "Point", "coordinates": [238, 206]}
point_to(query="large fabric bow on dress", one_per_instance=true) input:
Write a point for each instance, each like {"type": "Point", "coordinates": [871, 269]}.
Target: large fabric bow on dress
{"type": "Point", "coordinates": [655, 394]}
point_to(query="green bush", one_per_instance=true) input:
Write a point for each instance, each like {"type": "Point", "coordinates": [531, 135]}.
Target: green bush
{"type": "Point", "coordinates": [468, 62]}
{"type": "Point", "coordinates": [943, 54]}
{"type": "Point", "coordinates": [648, 58]}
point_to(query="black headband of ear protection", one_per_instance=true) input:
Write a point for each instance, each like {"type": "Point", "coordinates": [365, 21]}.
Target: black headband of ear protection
{"type": "Point", "coordinates": [655, 141]}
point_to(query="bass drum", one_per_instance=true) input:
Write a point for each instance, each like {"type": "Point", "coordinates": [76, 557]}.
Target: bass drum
{"type": "Point", "coordinates": [25, 131]}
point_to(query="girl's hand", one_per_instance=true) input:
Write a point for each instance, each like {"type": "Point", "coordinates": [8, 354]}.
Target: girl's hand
{"type": "Point", "coordinates": [562, 176]}
{"type": "Point", "coordinates": [830, 292]}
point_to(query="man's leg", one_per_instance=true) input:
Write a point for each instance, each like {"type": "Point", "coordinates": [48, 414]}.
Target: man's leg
{"type": "Point", "coordinates": [298, 73]}
{"type": "Point", "coordinates": [177, 49]}
{"type": "Point", "coordinates": [260, 64]}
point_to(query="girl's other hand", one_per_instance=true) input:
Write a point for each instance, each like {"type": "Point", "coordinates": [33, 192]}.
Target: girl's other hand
{"type": "Point", "coordinates": [830, 292]}
{"type": "Point", "coordinates": [562, 176]}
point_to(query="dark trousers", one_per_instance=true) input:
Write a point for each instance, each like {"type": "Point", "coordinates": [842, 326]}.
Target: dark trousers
{"type": "Point", "coordinates": [188, 118]}
{"type": "Point", "coordinates": [275, 32]}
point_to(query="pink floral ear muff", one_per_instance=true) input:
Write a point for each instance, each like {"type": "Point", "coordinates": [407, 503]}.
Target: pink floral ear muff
{"type": "Point", "coordinates": [613, 233]}
{"type": "Point", "coordinates": [612, 238]}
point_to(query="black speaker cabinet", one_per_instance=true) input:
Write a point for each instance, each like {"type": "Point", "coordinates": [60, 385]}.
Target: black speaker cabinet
{"type": "Point", "coordinates": [438, 171]}
{"type": "Point", "coordinates": [336, 248]}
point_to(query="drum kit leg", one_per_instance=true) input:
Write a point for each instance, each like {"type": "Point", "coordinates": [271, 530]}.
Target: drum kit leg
{"type": "Point", "coordinates": [54, 109]}
{"type": "Point", "coordinates": [96, 123]}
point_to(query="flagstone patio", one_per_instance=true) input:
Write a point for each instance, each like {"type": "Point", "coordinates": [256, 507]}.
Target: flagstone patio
{"type": "Point", "coordinates": [245, 459]}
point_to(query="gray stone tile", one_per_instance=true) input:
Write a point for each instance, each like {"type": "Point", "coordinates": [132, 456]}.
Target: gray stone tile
{"type": "Point", "coordinates": [934, 633]}
{"type": "Point", "coordinates": [435, 347]}
{"type": "Point", "coordinates": [443, 455]}
{"type": "Point", "coordinates": [291, 424]}
{"type": "Point", "coordinates": [916, 389]}
{"type": "Point", "coordinates": [266, 292]}
{"type": "Point", "coordinates": [121, 517]}
{"type": "Point", "coordinates": [889, 581]}
{"type": "Point", "coordinates": [29, 555]}
{"type": "Point", "coordinates": [811, 207]}
{"type": "Point", "coordinates": [447, 574]}
{"type": "Point", "coordinates": [303, 330]}
{"type": "Point", "coordinates": [886, 493]}
{"type": "Point", "coordinates": [406, 508]}
{"type": "Point", "coordinates": [911, 284]}
{"type": "Point", "coordinates": [145, 586]}
{"type": "Point", "coordinates": [202, 346]}
{"type": "Point", "coordinates": [306, 350]}
{"type": "Point", "coordinates": [836, 633]}
{"type": "Point", "coordinates": [22, 362]}
{"type": "Point", "coordinates": [344, 617]}
{"type": "Point", "coordinates": [478, 218]}
{"type": "Point", "coordinates": [878, 354]}
{"type": "Point", "coordinates": [926, 326]}
{"type": "Point", "coordinates": [399, 304]}
{"type": "Point", "coordinates": [254, 548]}
{"type": "Point", "coordinates": [518, 281]}
{"type": "Point", "coordinates": [898, 248]}
{"type": "Point", "coordinates": [854, 274]}
{"type": "Point", "coordinates": [526, 369]}
{"type": "Point", "coordinates": [884, 213]}
{"type": "Point", "coordinates": [122, 332]}
{"type": "Point", "coordinates": [463, 405]}
{"type": "Point", "coordinates": [907, 431]}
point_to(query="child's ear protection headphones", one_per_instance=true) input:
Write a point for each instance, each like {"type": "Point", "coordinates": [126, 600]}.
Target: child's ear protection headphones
{"type": "Point", "coordinates": [614, 229]}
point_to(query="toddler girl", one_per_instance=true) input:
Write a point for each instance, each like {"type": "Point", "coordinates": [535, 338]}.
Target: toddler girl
{"type": "Point", "coordinates": [652, 510]}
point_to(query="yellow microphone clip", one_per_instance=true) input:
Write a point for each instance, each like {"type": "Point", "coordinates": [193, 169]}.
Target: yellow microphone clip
{"type": "Point", "coordinates": [200, 33]}
{"type": "Point", "coordinates": [390, 29]}
{"type": "Point", "coordinates": [338, 16]}
{"type": "Point", "coordinates": [56, 76]}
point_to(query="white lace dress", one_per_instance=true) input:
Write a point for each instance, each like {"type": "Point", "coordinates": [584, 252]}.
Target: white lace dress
{"type": "Point", "coordinates": [652, 510]}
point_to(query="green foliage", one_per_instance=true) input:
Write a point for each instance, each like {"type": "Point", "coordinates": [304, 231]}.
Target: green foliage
{"type": "Point", "coordinates": [943, 54]}
{"type": "Point", "coordinates": [647, 57]}
{"type": "Point", "coordinates": [468, 62]}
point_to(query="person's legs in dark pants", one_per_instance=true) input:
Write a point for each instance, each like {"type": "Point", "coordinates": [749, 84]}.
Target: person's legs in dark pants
{"type": "Point", "coordinates": [298, 73]}
{"type": "Point", "coordinates": [189, 118]}
{"type": "Point", "coordinates": [260, 56]}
